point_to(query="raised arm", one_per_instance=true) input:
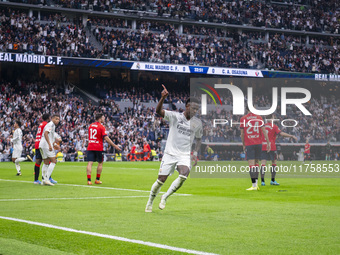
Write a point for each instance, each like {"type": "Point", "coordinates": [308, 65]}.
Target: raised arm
{"type": "Point", "coordinates": [159, 108]}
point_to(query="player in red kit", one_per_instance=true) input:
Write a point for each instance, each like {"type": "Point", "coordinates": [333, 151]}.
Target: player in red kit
{"type": "Point", "coordinates": [38, 157]}
{"type": "Point", "coordinates": [307, 152]}
{"type": "Point", "coordinates": [146, 150]}
{"type": "Point", "coordinates": [133, 153]}
{"type": "Point", "coordinates": [95, 148]}
{"type": "Point", "coordinates": [252, 130]}
{"type": "Point", "coordinates": [272, 131]}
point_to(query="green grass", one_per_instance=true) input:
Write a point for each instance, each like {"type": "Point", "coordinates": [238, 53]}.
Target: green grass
{"type": "Point", "coordinates": [220, 216]}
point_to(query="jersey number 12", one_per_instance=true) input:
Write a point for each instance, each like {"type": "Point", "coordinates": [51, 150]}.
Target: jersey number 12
{"type": "Point", "coordinates": [93, 133]}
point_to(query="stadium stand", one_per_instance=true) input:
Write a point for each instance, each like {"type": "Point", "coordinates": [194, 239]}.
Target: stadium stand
{"type": "Point", "coordinates": [281, 36]}
{"type": "Point", "coordinates": [133, 125]}
{"type": "Point", "coordinates": [196, 44]}
{"type": "Point", "coordinates": [28, 101]}
{"type": "Point", "coordinates": [315, 16]}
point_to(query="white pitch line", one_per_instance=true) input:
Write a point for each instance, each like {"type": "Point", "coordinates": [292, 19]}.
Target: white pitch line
{"type": "Point", "coordinates": [118, 238]}
{"type": "Point", "coordinates": [132, 168]}
{"type": "Point", "coordinates": [64, 198]}
{"type": "Point", "coordinates": [97, 187]}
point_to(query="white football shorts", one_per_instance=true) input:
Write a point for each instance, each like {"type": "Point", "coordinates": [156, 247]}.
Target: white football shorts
{"type": "Point", "coordinates": [16, 153]}
{"type": "Point", "coordinates": [45, 153]}
{"type": "Point", "coordinates": [170, 162]}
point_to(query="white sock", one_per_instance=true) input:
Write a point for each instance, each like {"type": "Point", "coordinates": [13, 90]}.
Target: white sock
{"type": "Point", "coordinates": [50, 170]}
{"type": "Point", "coordinates": [17, 166]}
{"type": "Point", "coordinates": [156, 187]}
{"type": "Point", "coordinates": [18, 160]}
{"type": "Point", "coordinates": [175, 185]}
{"type": "Point", "coordinates": [255, 183]}
{"type": "Point", "coordinates": [44, 172]}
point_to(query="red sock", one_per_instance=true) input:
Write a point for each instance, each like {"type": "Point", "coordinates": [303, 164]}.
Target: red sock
{"type": "Point", "coordinates": [98, 176]}
{"type": "Point", "coordinates": [89, 177]}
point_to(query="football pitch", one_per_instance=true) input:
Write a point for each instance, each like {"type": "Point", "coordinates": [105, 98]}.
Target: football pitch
{"type": "Point", "coordinates": [207, 215]}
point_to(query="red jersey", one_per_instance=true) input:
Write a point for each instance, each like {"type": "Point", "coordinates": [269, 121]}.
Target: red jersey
{"type": "Point", "coordinates": [39, 134]}
{"type": "Point", "coordinates": [146, 148]}
{"type": "Point", "coordinates": [307, 148]}
{"type": "Point", "coordinates": [253, 132]}
{"type": "Point", "coordinates": [97, 133]}
{"type": "Point", "coordinates": [133, 149]}
{"type": "Point", "coordinates": [272, 131]}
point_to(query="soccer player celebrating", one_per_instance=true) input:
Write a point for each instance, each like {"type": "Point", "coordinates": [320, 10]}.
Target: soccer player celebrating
{"type": "Point", "coordinates": [97, 134]}
{"type": "Point", "coordinates": [38, 157]}
{"type": "Point", "coordinates": [252, 130]}
{"type": "Point", "coordinates": [183, 127]}
{"type": "Point", "coordinates": [17, 147]}
{"type": "Point", "coordinates": [307, 152]}
{"type": "Point", "coordinates": [46, 146]}
{"type": "Point", "coordinates": [272, 131]}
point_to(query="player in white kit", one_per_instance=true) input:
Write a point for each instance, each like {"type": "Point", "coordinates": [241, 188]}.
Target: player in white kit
{"type": "Point", "coordinates": [183, 129]}
{"type": "Point", "coordinates": [17, 147]}
{"type": "Point", "coordinates": [46, 146]}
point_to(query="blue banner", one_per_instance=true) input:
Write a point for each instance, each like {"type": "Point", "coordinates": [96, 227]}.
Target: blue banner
{"type": "Point", "coordinates": [158, 67]}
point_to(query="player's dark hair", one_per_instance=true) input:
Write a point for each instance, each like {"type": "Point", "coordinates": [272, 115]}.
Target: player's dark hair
{"type": "Point", "coordinates": [18, 122]}
{"type": "Point", "coordinates": [192, 100]}
{"type": "Point", "coordinates": [46, 116]}
{"type": "Point", "coordinates": [55, 115]}
{"type": "Point", "coordinates": [98, 116]}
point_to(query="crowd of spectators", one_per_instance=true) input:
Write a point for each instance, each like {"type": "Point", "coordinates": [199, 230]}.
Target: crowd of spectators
{"type": "Point", "coordinates": [21, 33]}
{"type": "Point", "coordinates": [146, 92]}
{"type": "Point", "coordinates": [163, 44]}
{"type": "Point", "coordinates": [279, 53]}
{"type": "Point", "coordinates": [94, 21]}
{"type": "Point", "coordinates": [322, 126]}
{"type": "Point", "coordinates": [317, 16]}
{"type": "Point", "coordinates": [28, 101]}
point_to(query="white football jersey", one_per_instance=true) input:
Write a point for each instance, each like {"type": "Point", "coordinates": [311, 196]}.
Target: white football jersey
{"type": "Point", "coordinates": [56, 136]}
{"type": "Point", "coordinates": [17, 139]}
{"type": "Point", "coordinates": [181, 133]}
{"type": "Point", "coordinates": [50, 128]}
